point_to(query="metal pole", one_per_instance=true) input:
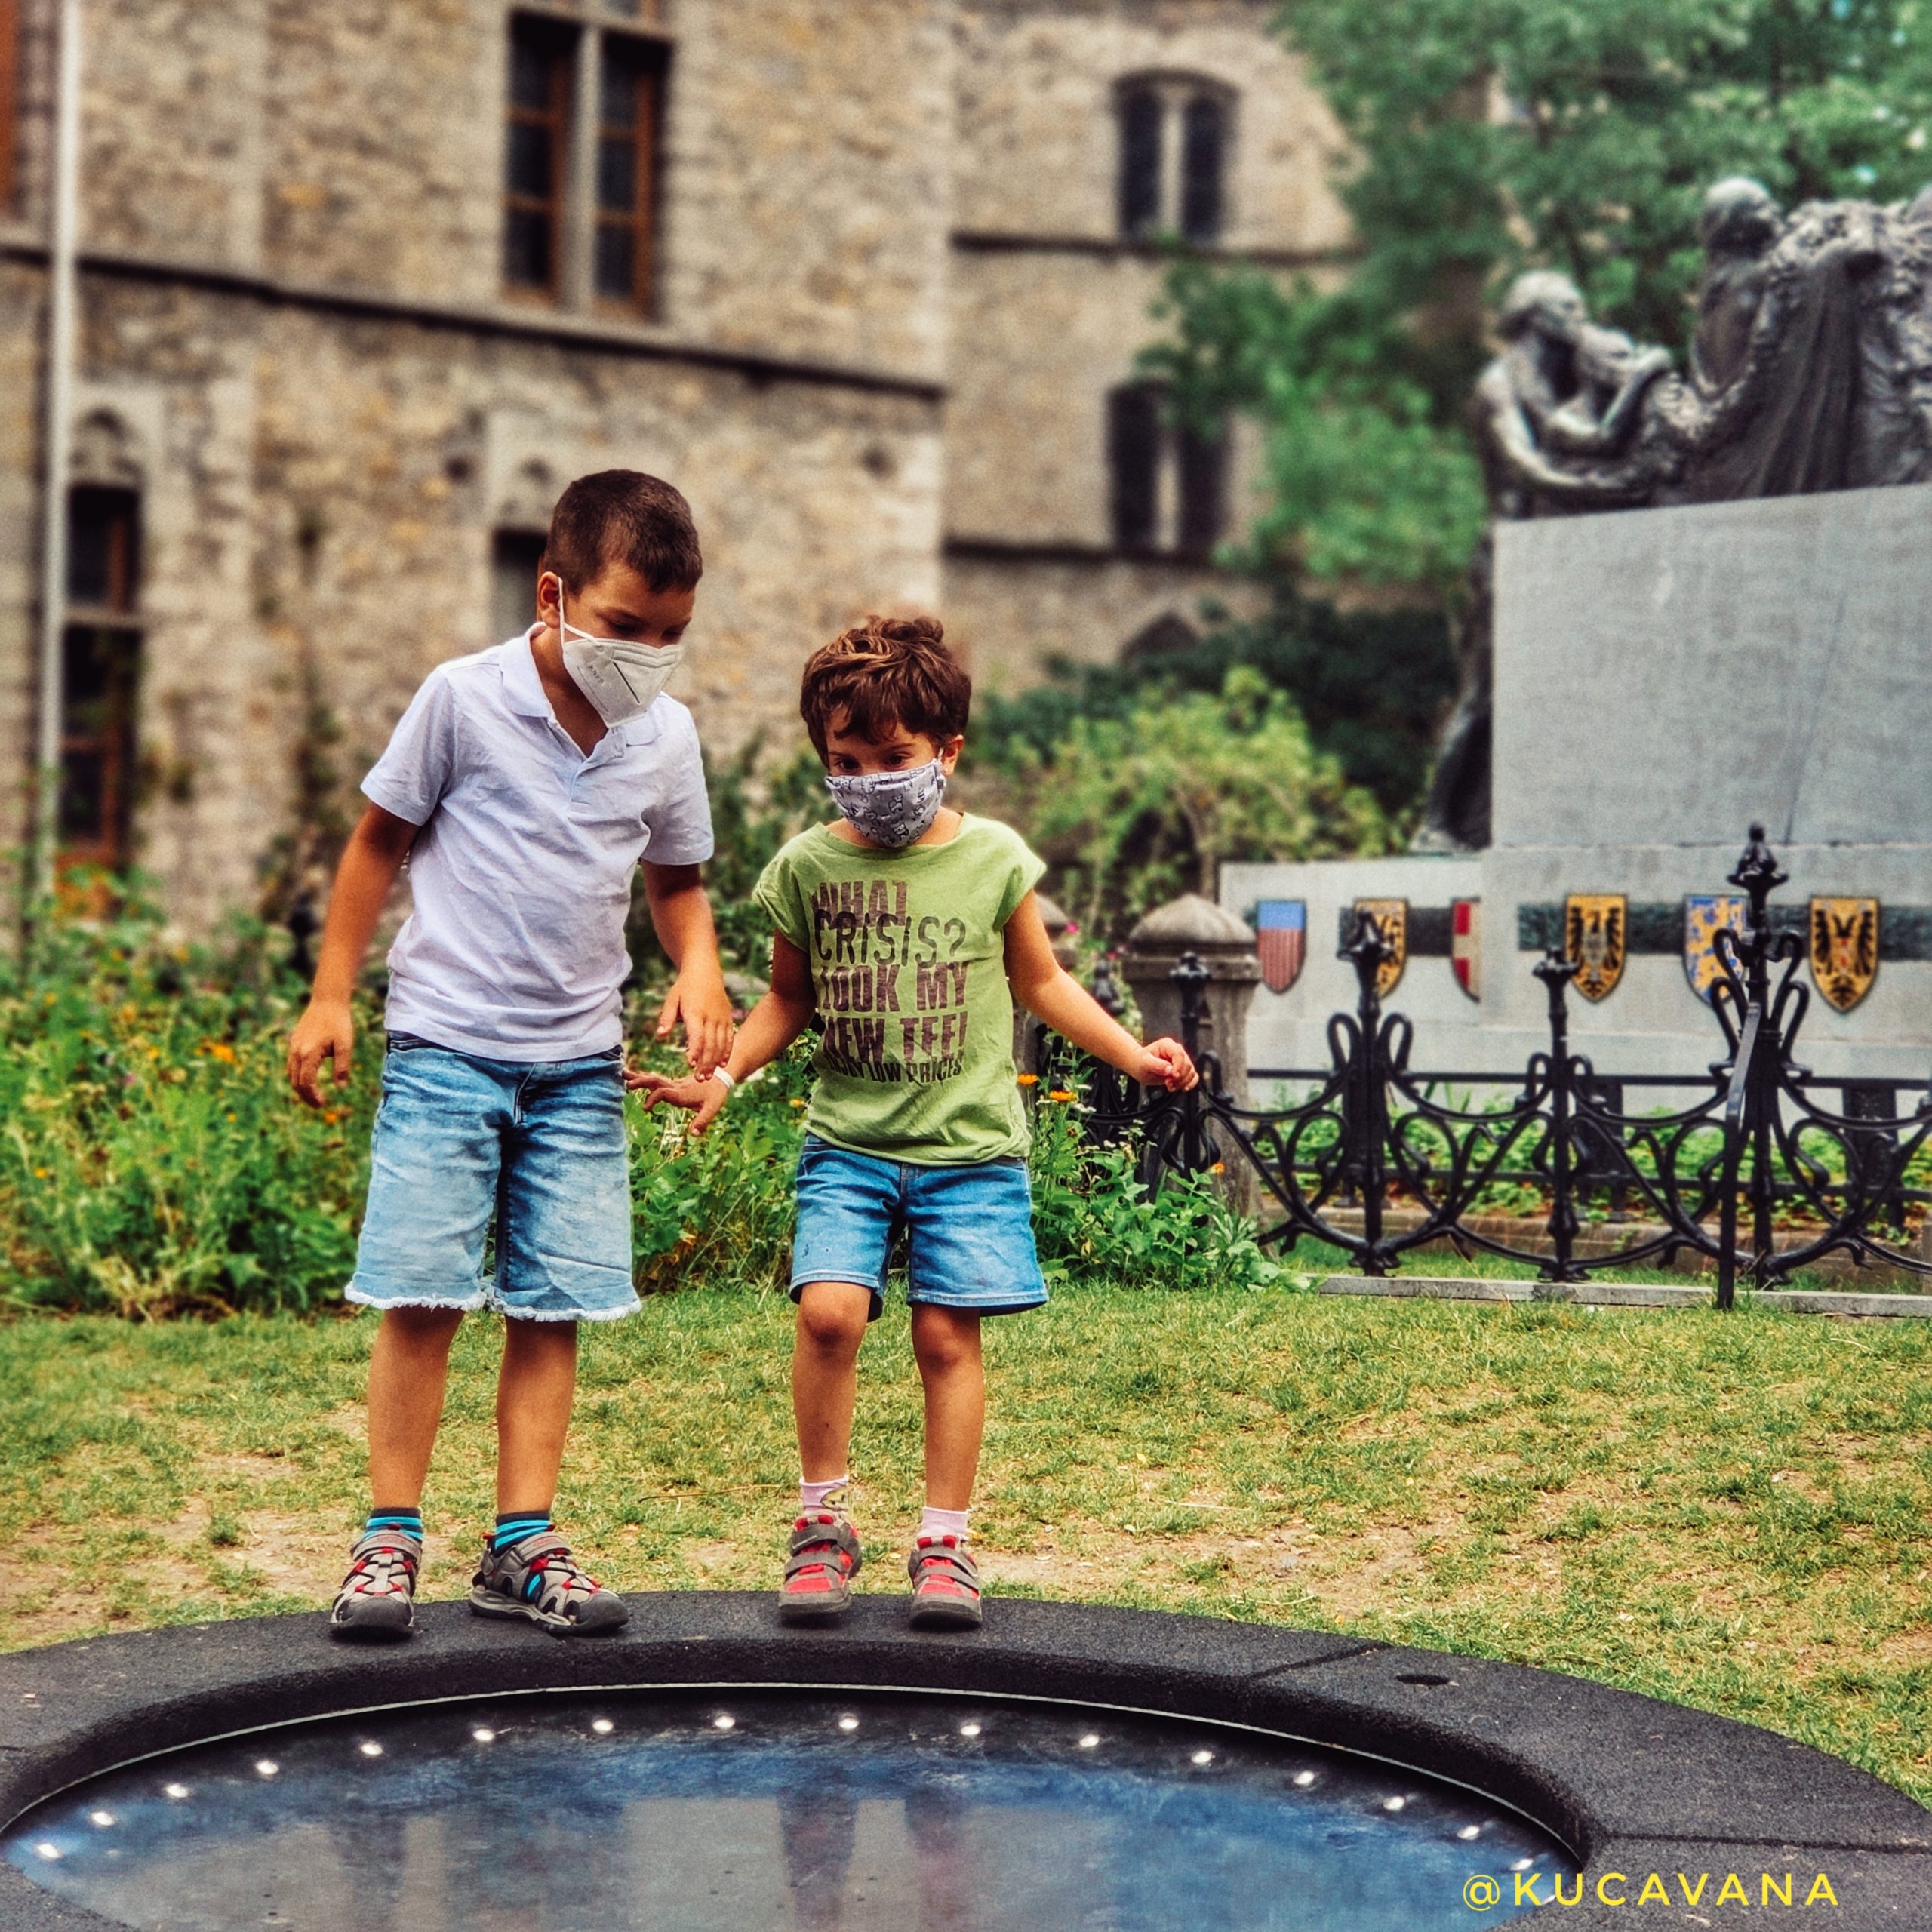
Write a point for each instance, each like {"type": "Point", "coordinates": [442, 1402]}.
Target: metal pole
{"type": "Point", "coordinates": [62, 305]}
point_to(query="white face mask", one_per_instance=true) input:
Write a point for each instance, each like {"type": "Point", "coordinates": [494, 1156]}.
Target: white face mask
{"type": "Point", "coordinates": [621, 680]}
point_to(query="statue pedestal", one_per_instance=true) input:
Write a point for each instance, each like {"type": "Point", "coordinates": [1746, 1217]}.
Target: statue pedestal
{"type": "Point", "coordinates": [1663, 679]}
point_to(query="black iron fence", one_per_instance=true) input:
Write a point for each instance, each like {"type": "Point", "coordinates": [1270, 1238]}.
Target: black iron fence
{"type": "Point", "coordinates": [1379, 1158]}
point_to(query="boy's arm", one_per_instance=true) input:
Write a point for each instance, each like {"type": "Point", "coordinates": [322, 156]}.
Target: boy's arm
{"type": "Point", "coordinates": [370, 863]}
{"type": "Point", "coordinates": [681, 912]}
{"type": "Point", "coordinates": [773, 1025]}
{"type": "Point", "coordinates": [1046, 989]}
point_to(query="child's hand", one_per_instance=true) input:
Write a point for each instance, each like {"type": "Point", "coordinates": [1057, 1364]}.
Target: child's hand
{"type": "Point", "coordinates": [326, 1031]}
{"type": "Point", "coordinates": [705, 1008]}
{"type": "Point", "coordinates": [701, 1098]}
{"type": "Point", "coordinates": [1165, 1063]}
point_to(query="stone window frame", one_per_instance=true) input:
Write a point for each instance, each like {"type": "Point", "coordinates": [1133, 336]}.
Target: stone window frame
{"type": "Point", "coordinates": [1153, 186]}
{"type": "Point", "coordinates": [595, 35]}
{"type": "Point", "coordinates": [1167, 484]}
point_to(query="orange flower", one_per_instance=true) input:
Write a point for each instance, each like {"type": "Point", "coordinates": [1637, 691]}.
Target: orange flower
{"type": "Point", "coordinates": [1062, 1093]}
{"type": "Point", "coordinates": [797, 1104]}
{"type": "Point", "coordinates": [1219, 1168]}
{"type": "Point", "coordinates": [1029, 1080]}
{"type": "Point", "coordinates": [219, 1050]}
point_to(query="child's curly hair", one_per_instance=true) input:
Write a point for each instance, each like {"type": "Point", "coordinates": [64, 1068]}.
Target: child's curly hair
{"type": "Point", "coordinates": [886, 671]}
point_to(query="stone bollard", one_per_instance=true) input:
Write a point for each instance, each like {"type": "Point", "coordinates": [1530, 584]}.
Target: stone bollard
{"type": "Point", "coordinates": [1225, 946]}
{"type": "Point", "coordinates": [1026, 1027]}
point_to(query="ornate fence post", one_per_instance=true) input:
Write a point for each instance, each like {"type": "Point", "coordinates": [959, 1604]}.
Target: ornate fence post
{"type": "Point", "coordinates": [1219, 998]}
{"type": "Point", "coordinates": [1365, 1094]}
{"type": "Point", "coordinates": [1555, 970]}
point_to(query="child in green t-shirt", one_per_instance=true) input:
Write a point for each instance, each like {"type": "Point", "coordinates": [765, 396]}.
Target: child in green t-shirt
{"type": "Point", "coordinates": [903, 926]}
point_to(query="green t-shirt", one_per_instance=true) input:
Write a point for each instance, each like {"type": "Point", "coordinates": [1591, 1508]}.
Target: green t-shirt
{"type": "Point", "coordinates": [907, 962]}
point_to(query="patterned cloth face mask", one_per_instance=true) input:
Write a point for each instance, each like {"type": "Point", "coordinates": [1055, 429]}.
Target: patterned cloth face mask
{"type": "Point", "coordinates": [621, 680]}
{"type": "Point", "coordinates": [890, 808]}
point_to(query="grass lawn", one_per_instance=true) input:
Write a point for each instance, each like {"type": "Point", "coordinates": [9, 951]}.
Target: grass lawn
{"type": "Point", "coordinates": [1736, 1512]}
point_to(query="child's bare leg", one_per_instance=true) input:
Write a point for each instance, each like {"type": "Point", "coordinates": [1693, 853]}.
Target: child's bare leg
{"type": "Point", "coordinates": [534, 1393]}
{"type": "Point", "coordinates": [945, 1344]}
{"type": "Point", "coordinates": [825, 1374]}
{"type": "Point", "coordinates": [407, 1370]}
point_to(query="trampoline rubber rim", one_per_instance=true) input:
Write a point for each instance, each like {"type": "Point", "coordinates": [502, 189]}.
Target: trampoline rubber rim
{"type": "Point", "coordinates": [1624, 1781]}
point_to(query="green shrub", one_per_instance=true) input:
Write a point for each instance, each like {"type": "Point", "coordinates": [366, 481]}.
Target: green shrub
{"type": "Point", "coordinates": [152, 1160]}
{"type": "Point", "coordinates": [1131, 811]}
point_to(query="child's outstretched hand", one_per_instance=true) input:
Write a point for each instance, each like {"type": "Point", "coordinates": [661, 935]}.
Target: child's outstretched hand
{"type": "Point", "coordinates": [1165, 1063]}
{"type": "Point", "coordinates": [705, 1009]}
{"type": "Point", "coordinates": [701, 1099]}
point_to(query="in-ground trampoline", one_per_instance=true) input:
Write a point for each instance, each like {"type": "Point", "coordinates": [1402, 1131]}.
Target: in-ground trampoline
{"type": "Point", "coordinates": [1066, 1768]}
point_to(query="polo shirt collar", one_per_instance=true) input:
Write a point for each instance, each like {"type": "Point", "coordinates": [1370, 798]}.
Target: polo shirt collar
{"type": "Point", "coordinates": [522, 687]}
{"type": "Point", "coordinates": [523, 690]}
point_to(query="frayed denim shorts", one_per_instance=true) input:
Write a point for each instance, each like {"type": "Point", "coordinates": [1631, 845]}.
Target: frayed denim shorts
{"type": "Point", "coordinates": [539, 1151]}
{"type": "Point", "coordinates": [968, 1231]}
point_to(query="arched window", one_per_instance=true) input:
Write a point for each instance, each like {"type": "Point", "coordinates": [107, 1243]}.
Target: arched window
{"type": "Point", "coordinates": [1175, 135]}
{"type": "Point", "coordinates": [1167, 484]}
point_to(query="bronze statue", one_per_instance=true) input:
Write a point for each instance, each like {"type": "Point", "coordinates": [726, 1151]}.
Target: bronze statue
{"type": "Point", "coordinates": [1810, 370]}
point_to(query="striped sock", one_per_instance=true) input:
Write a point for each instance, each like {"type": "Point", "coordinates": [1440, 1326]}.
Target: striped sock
{"type": "Point", "coordinates": [513, 1525]}
{"type": "Point", "coordinates": [409, 1522]}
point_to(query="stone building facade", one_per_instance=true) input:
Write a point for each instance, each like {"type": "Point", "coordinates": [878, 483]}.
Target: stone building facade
{"type": "Point", "coordinates": [362, 286]}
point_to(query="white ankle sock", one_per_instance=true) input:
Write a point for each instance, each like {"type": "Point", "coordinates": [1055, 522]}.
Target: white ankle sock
{"type": "Point", "coordinates": [943, 1522]}
{"type": "Point", "coordinates": [811, 1494]}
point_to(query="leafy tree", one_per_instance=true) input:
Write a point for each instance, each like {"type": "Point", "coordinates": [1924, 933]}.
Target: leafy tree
{"type": "Point", "coordinates": [1132, 810]}
{"type": "Point", "coordinates": [1489, 135]}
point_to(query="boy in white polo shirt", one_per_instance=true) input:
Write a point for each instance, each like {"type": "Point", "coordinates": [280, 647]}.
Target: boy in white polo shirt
{"type": "Point", "coordinates": [524, 786]}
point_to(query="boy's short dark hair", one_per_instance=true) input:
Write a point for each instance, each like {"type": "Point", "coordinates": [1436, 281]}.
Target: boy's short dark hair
{"type": "Point", "coordinates": [622, 516]}
{"type": "Point", "coordinates": [885, 672]}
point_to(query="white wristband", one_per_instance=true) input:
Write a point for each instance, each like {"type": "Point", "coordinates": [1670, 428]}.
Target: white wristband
{"type": "Point", "coordinates": [718, 1073]}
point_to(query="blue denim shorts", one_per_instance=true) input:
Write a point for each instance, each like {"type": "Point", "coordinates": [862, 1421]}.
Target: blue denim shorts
{"type": "Point", "coordinates": [968, 1230]}
{"type": "Point", "coordinates": [541, 1150]}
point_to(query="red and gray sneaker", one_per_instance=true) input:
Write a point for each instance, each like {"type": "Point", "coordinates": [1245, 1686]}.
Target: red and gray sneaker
{"type": "Point", "coordinates": [946, 1586]}
{"type": "Point", "coordinates": [536, 1578]}
{"type": "Point", "coordinates": [377, 1599]}
{"type": "Point", "coordinates": [823, 1558]}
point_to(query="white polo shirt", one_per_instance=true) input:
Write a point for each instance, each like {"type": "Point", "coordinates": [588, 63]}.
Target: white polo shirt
{"type": "Point", "coordinates": [521, 874]}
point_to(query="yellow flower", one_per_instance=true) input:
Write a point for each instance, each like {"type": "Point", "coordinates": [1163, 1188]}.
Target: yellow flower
{"type": "Point", "coordinates": [1219, 1168]}
{"type": "Point", "coordinates": [1029, 1080]}
{"type": "Point", "coordinates": [797, 1104]}
{"type": "Point", "coordinates": [219, 1050]}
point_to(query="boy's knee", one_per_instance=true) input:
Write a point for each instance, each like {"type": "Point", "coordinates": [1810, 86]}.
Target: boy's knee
{"type": "Point", "coordinates": [422, 1328]}
{"type": "Point", "coordinates": [944, 1340]}
{"type": "Point", "coordinates": [831, 1317]}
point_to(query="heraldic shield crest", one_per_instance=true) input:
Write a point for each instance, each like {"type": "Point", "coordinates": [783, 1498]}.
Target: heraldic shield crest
{"type": "Point", "coordinates": [1705, 915]}
{"type": "Point", "coordinates": [1596, 927]}
{"type": "Point", "coordinates": [1281, 937]}
{"type": "Point", "coordinates": [1466, 945]}
{"type": "Point", "coordinates": [1391, 916]}
{"type": "Point", "coordinates": [1844, 949]}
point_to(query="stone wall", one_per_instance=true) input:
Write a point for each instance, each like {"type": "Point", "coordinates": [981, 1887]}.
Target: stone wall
{"type": "Point", "coordinates": [317, 517]}
{"type": "Point", "coordinates": [293, 316]}
{"type": "Point", "coordinates": [1049, 308]}
{"type": "Point", "coordinates": [1037, 152]}
{"type": "Point", "coordinates": [1010, 615]}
